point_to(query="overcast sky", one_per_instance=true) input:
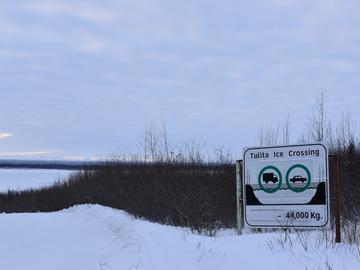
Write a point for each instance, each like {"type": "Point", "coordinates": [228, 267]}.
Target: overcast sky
{"type": "Point", "coordinates": [83, 78]}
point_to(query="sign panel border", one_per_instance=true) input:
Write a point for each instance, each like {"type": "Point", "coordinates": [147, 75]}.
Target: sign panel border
{"type": "Point", "coordinates": [327, 224]}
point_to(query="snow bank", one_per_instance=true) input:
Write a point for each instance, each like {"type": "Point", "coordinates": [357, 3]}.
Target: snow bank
{"type": "Point", "coordinates": [95, 237]}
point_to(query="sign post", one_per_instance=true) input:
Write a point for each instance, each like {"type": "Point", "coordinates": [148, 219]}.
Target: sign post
{"type": "Point", "coordinates": [337, 200]}
{"type": "Point", "coordinates": [239, 197]}
{"type": "Point", "coordinates": [286, 186]}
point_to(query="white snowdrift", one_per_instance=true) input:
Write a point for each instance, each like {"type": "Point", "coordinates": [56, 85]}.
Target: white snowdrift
{"type": "Point", "coordinates": [90, 237]}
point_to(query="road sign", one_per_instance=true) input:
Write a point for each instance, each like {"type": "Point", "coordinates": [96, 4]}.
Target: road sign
{"type": "Point", "coordinates": [286, 186]}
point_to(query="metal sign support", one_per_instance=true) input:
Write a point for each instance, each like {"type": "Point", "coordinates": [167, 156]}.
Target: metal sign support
{"type": "Point", "coordinates": [239, 197]}
{"type": "Point", "coordinates": [336, 186]}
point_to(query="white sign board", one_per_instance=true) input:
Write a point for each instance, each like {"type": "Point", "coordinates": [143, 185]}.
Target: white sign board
{"type": "Point", "coordinates": [286, 186]}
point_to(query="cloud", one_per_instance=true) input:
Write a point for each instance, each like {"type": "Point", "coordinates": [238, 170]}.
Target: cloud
{"type": "Point", "coordinates": [15, 54]}
{"type": "Point", "coordinates": [87, 158]}
{"type": "Point", "coordinates": [76, 9]}
{"type": "Point", "coordinates": [85, 60]}
{"type": "Point", "coordinates": [4, 135]}
{"type": "Point", "coordinates": [75, 158]}
{"type": "Point", "coordinates": [27, 153]}
{"type": "Point", "coordinates": [90, 43]}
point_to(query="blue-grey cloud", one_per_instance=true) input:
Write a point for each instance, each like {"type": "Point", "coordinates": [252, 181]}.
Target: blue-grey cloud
{"type": "Point", "coordinates": [28, 154]}
{"type": "Point", "coordinates": [4, 135]}
{"type": "Point", "coordinates": [86, 76]}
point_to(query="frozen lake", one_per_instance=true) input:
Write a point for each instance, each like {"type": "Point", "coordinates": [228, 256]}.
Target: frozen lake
{"type": "Point", "coordinates": [22, 179]}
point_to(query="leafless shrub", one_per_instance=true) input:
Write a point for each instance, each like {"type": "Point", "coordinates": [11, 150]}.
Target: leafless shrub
{"type": "Point", "coordinates": [194, 195]}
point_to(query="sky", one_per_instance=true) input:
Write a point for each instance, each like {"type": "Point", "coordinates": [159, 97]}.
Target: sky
{"type": "Point", "coordinates": [82, 79]}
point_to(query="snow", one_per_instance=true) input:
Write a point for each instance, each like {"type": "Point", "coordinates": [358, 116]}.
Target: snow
{"type": "Point", "coordinates": [24, 179]}
{"type": "Point", "coordinates": [96, 237]}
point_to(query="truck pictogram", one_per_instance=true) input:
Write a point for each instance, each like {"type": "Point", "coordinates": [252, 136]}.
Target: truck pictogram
{"type": "Point", "coordinates": [270, 177]}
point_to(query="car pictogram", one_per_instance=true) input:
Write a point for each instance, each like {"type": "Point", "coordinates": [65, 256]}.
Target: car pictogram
{"type": "Point", "coordinates": [298, 178]}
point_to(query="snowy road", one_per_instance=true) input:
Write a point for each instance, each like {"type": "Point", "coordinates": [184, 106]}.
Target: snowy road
{"type": "Point", "coordinates": [94, 237]}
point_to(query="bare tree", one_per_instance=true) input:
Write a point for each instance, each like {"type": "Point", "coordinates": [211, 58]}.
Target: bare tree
{"type": "Point", "coordinates": [346, 133]}
{"type": "Point", "coordinates": [223, 155]}
{"type": "Point", "coordinates": [155, 143]}
{"type": "Point", "coordinates": [269, 136]}
{"type": "Point", "coordinates": [318, 128]}
{"type": "Point", "coordinates": [261, 136]}
{"type": "Point", "coordinates": [165, 141]}
{"type": "Point", "coordinates": [151, 141]}
{"type": "Point", "coordinates": [286, 130]}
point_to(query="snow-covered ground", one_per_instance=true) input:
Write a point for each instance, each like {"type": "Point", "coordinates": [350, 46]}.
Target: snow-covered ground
{"type": "Point", "coordinates": [23, 179]}
{"type": "Point", "coordinates": [96, 237]}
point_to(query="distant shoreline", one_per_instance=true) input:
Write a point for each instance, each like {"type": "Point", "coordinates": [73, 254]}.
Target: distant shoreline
{"type": "Point", "coordinates": [50, 164]}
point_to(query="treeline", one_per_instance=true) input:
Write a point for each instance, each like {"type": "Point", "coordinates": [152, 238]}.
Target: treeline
{"type": "Point", "coordinates": [181, 187]}
{"type": "Point", "coordinates": [349, 166]}
{"type": "Point", "coordinates": [195, 195]}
